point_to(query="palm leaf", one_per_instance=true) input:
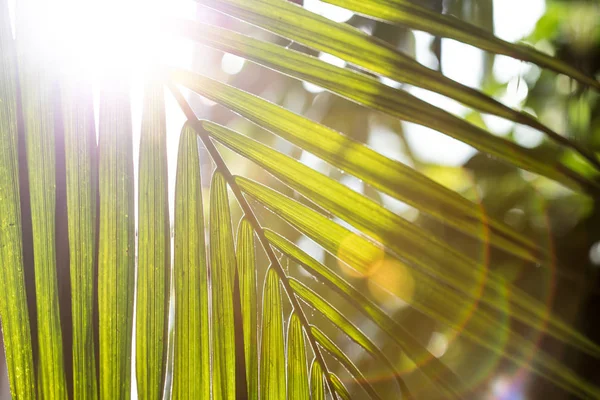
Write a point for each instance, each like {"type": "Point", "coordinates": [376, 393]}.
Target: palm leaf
{"type": "Point", "coordinates": [297, 369]}
{"type": "Point", "coordinates": [298, 24]}
{"type": "Point", "coordinates": [318, 303]}
{"type": "Point", "coordinates": [191, 371]}
{"type": "Point", "coordinates": [272, 347]}
{"type": "Point", "coordinates": [366, 90]}
{"type": "Point", "coordinates": [317, 388]}
{"type": "Point", "coordinates": [340, 389]}
{"type": "Point", "coordinates": [417, 17]}
{"type": "Point", "coordinates": [246, 258]}
{"type": "Point", "coordinates": [217, 348]}
{"type": "Point", "coordinates": [82, 192]}
{"type": "Point", "coordinates": [335, 351]}
{"type": "Point", "coordinates": [401, 237]}
{"type": "Point", "coordinates": [13, 302]}
{"type": "Point", "coordinates": [154, 260]}
{"type": "Point", "coordinates": [222, 270]}
{"type": "Point", "coordinates": [37, 83]}
{"type": "Point", "coordinates": [116, 252]}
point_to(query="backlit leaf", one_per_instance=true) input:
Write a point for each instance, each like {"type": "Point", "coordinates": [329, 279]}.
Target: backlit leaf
{"type": "Point", "coordinates": [116, 253]}
{"type": "Point", "coordinates": [13, 301]}
{"type": "Point", "coordinates": [297, 369]}
{"type": "Point", "coordinates": [272, 349]}
{"type": "Point", "coordinates": [82, 191]}
{"type": "Point", "coordinates": [246, 259]}
{"type": "Point", "coordinates": [222, 270]}
{"type": "Point", "coordinates": [154, 258]}
{"type": "Point", "coordinates": [335, 351]}
{"type": "Point", "coordinates": [191, 370]}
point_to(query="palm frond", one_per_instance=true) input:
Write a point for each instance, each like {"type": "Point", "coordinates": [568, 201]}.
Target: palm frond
{"type": "Point", "coordinates": [228, 338]}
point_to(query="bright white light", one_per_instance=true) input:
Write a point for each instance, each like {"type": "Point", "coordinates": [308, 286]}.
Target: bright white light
{"type": "Point", "coordinates": [514, 19]}
{"type": "Point", "coordinates": [333, 60]}
{"type": "Point", "coordinates": [516, 93]}
{"type": "Point", "coordinates": [595, 253]}
{"type": "Point", "coordinates": [329, 11]}
{"type": "Point", "coordinates": [506, 68]}
{"type": "Point", "coordinates": [106, 38]}
{"type": "Point", "coordinates": [528, 137]}
{"type": "Point", "coordinates": [438, 100]}
{"type": "Point", "coordinates": [437, 148]}
{"type": "Point", "coordinates": [390, 82]}
{"type": "Point", "coordinates": [423, 51]}
{"type": "Point", "coordinates": [311, 87]}
{"type": "Point", "coordinates": [496, 125]}
{"type": "Point", "coordinates": [462, 63]}
{"type": "Point", "coordinates": [232, 64]}
{"type": "Point", "coordinates": [387, 142]}
{"type": "Point", "coordinates": [438, 344]}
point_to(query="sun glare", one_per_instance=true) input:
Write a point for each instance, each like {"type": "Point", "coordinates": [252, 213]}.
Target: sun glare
{"type": "Point", "coordinates": [103, 38]}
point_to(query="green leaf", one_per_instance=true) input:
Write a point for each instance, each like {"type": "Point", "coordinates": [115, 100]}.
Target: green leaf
{"type": "Point", "coordinates": [333, 196]}
{"type": "Point", "coordinates": [14, 314]}
{"type": "Point", "coordinates": [297, 369]}
{"type": "Point", "coordinates": [364, 89]}
{"type": "Point", "coordinates": [335, 351]}
{"type": "Point", "coordinates": [191, 370]}
{"type": "Point", "coordinates": [389, 176]}
{"type": "Point", "coordinates": [339, 387]}
{"type": "Point", "coordinates": [318, 303]}
{"type": "Point", "coordinates": [154, 258]}
{"type": "Point", "coordinates": [415, 16]}
{"type": "Point", "coordinates": [357, 47]}
{"type": "Point", "coordinates": [82, 191]}
{"type": "Point", "coordinates": [222, 270]}
{"type": "Point", "coordinates": [38, 82]}
{"type": "Point", "coordinates": [272, 349]}
{"type": "Point", "coordinates": [116, 252]}
{"type": "Point", "coordinates": [247, 276]}
{"type": "Point", "coordinates": [442, 305]}
{"type": "Point", "coordinates": [402, 237]}
{"type": "Point", "coordinates": [317, 387]}
{"type": "Point", "coordinates": [435, 369]}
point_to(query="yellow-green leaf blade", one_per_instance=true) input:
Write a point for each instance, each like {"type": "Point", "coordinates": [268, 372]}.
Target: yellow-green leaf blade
{"type": "Point", "coordinates": [402, 237]}
{"type": "Point", "coordinates": [298, 24]}
{"type": "Point", "coordinates": [317, 387]}
{"type": "Point", "coordinates": [82, 191]}
{"type": "Point", "coordinates": [191, 370]}
{"type": "Point", "coordinates": [335, 351]}
{"type": "Point", "coordinates": [318, 303]}
{"type": "Point", "coordinates": [116, 252]}
{"type": "Point", "coordinates": [154, 259]}
{"type": "Point", "coordinates": [37, 82]}
{"type": "Point", "coordinates": [272, 356]}
{"type": "Point", "coordinates": [14, 314]}
{"type": "Point", "coordinates": [222, 271]}
{"type": "Point", "coordinates": [364, 89]}
{"type": "Point", "coordinates": [339, 387]}
{"type": "Point", "coordinates": [297, 369]}
{"type": "Point", "coordinates": [417, 17]}
{"type": "Point", "coordinates": [389, 176]}
{"type": "Point", "coordinates": [443, 306]}
{"type": "Point", "coordinates": [246, 263]}
{"type": "Point", "coordinates": [361, 254]}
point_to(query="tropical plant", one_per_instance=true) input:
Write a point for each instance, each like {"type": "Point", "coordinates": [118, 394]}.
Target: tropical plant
{"type": "Point", "coordinates": [241, 330]}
